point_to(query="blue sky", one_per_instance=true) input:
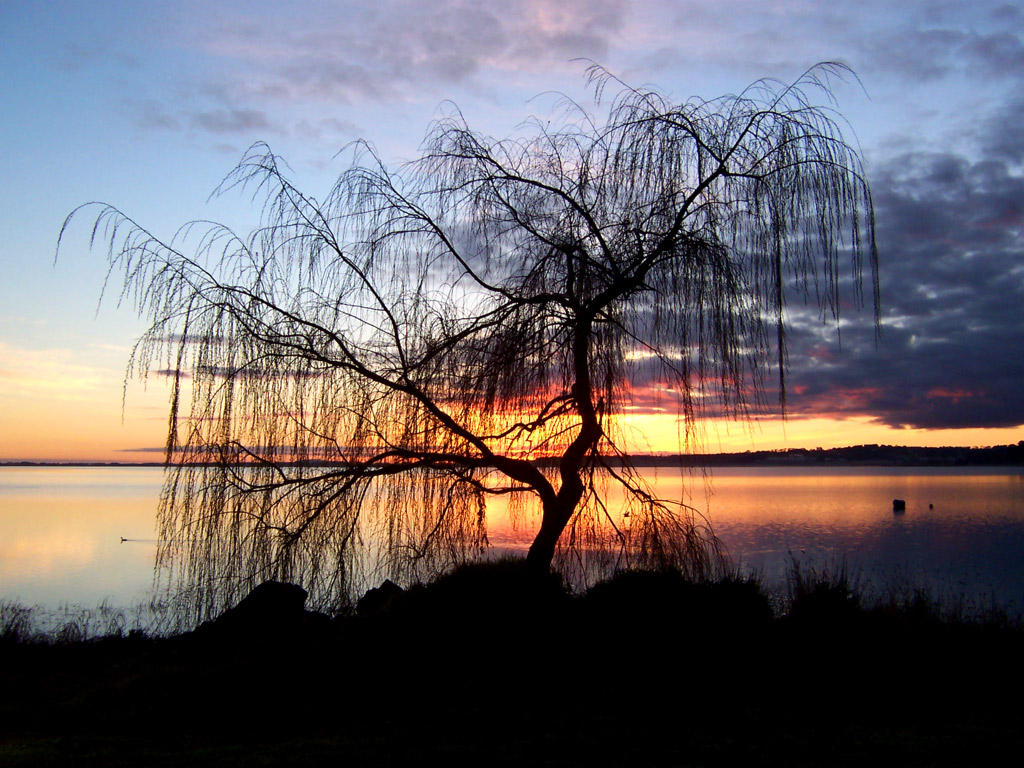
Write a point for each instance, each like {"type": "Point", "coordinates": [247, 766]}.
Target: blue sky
{"type": "Point", "coordinates": [148, 105]}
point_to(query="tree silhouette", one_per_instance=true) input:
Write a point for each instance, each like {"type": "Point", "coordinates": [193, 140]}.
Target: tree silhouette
{"type": "Point", "coordinates": [355, 378]}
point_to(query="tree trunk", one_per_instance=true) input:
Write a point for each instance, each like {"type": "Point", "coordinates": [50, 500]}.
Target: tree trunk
{"type": "Point", "coordinates": [558, 511]}
{"type": "Point", "coordinates": [557, 514]}
{"type": "Point", "coordinates": [542, 551]}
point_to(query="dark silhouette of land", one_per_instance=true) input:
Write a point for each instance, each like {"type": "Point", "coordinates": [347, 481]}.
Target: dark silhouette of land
{"type": "Point", "coordinates": [858, 455]}
{"type": "Point", "coordinates": [485, 666]}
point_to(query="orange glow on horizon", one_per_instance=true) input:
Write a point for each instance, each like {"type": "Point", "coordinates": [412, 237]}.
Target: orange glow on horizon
{"type": "Point", "coordinates": [80, 431]}
{"type": "Point", "coordinates": [53, 411]}
{"type": "Point", "coordinates": [661, 432]}
{"type": "Point", "coordinates": [67, 422]}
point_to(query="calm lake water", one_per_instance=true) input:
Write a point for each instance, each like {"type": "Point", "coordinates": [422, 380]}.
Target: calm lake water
{"type": "Point", "coordinates": [962, 534]}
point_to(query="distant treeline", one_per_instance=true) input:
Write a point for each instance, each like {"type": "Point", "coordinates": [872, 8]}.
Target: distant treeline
{"type": "Point", "coordinates": [858, 455]}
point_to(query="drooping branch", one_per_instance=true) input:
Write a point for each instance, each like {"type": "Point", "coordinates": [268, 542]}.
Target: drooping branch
{"type": "Point", "coordinates": [356, 377]}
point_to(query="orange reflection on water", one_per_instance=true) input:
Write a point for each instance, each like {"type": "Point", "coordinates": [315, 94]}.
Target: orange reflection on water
{"type": "Point", "coordinates": [861, 495]}
{"type": "Point", "coordinates": [62, 532]}
{"type": "Point", "coordinates": [61, 528]}
{"type": "Point", "coordinates": [958, 521]}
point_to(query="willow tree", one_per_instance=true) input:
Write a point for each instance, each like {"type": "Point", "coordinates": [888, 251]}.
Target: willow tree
{"type": "Point", "coordinates": [355, 378]}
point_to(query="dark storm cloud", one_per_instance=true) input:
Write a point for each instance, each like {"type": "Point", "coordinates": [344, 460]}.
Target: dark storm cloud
{"type": "Point", "coordinates": [927, 54]}
{"type": "Point", "coordinates": [998, 54]}
{"type": "Point", "coordinates": [922, 54]}
{"type": "Point", "coordinates": [1003, 136]}
{"type": "Point", "coordinates": [951, 351]}
{"type": "Point", "coordinates": [951, 232]}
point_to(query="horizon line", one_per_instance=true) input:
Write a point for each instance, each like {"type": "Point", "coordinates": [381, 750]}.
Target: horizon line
{"type": "Point", "coordinates": [656, 455]}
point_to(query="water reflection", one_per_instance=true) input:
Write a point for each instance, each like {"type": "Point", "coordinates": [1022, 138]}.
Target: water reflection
{"type": "Point", "coordinates": [962, 532]}
{"type": "Point", "coordinates": [61, 528]}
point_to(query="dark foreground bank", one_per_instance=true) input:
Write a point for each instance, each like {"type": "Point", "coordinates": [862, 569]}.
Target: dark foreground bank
{"type": "Point", "coordinates": [488, 667]}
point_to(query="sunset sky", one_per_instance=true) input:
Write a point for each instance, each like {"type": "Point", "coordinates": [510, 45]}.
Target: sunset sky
{"type": "Point", "coordinates": [147, 105]}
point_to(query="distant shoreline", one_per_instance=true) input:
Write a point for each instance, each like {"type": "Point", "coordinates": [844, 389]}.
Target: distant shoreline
{"type": "Point", "coordinates": [859, 455]}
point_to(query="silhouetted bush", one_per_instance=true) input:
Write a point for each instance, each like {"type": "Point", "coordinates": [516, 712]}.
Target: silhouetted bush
{"type": "Point", "coordinates": [666, 601]}
{"type": "Point", "coordinates": [505, 591]}
{"type": "Point", "coordinates": [822, 594]}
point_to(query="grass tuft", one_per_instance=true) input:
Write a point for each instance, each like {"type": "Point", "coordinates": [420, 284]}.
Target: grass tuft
{"type": "Point", "coordinates": [822, 593]}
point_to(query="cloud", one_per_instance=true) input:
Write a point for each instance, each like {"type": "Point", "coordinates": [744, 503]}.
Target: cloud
{"type": "Point", "coordinates": [152, 115]}
{"type": "Point", "coordinates": [922, 54]}
{"type": "Point", "coordinates": [999, 54]}
{"type": "Point", "coordinates": [1003, 136]}
{"type": "Point", "coordinates": [370, 51]}
{"type": "Point", "coordinates": [230, 120]}
{"type": "Point", "coordinates": [200, 115]}
{"type": "Point", "coordinates": [326, 128]}
{"type": "Point", "coordinates": [951, 239]}
{"type": "Point", "coordinates": [392, 50]}
{"type": "Point", "coordinates": [950, 219]}
{"type": "Point", "coordinates": [266, 73]}
{"type": "Point", "coordinates": [246, 372]}
{"type": "Point", "coordinates": [951, 232]}
{"type": "Point", "coordinates": [52, 374]}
